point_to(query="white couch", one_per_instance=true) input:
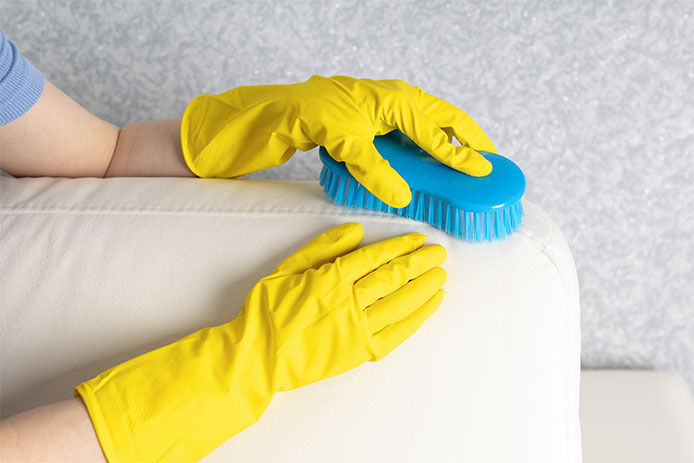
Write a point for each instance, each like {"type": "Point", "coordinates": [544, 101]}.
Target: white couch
{"type": "Point", "coordinates": [96, 271]}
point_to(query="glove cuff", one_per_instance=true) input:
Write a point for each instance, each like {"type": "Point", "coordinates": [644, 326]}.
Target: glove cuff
{"type": "Point", "coordinates": [181, 401]}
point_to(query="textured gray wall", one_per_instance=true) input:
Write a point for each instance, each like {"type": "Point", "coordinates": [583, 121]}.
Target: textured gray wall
{"type": "Point", "coordinates": [594, 100]}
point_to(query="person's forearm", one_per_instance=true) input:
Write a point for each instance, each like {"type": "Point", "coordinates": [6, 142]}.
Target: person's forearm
{"type": "Point", "coordinates": [149, 149]}
{"type": "Point", "coordinates": [57, 432]}
{"type": "Point", "coordinates": [59, 138]}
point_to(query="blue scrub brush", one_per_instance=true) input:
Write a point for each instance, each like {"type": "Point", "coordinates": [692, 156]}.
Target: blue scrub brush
{"type": "Point", "coordinates": [473, 208]}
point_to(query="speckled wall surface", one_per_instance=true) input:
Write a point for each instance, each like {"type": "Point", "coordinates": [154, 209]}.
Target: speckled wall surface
{"type": "Point", "coordinates": [594, 100]}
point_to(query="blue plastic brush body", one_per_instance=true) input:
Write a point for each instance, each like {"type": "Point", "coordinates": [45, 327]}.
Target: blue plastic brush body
{"type": "Point", "coordinates": [473, 208]}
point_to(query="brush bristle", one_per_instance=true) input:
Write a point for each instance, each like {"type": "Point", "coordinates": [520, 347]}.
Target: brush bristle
{"type": "Point", "coordinates": [472, 226]}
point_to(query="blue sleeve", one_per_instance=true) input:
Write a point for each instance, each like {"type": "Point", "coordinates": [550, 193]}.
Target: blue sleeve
{"type": "Point", "coordinates": [21, 84]}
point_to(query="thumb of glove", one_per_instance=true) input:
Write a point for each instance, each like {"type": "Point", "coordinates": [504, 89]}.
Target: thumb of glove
{"type": "Point", "coordinates": [368, 167]}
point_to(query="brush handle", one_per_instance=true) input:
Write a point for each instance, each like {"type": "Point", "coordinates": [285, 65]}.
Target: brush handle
{"type": "Point", "coordinates": [502, 188]}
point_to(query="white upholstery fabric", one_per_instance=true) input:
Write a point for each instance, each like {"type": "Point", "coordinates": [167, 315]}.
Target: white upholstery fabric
{"type": "Point", "coordinates": [632, 416]}
{"type": "Point", "coordinates": [96, 271]}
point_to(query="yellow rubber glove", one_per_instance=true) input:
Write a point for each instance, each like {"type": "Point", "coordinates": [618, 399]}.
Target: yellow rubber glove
{"type": "Point", "coordinates": [325, 309]}
{"type": "Point", "coordinates": [250, 128]}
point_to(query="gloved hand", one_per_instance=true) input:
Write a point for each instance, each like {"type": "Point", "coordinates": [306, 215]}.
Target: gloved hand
{"type": "Point", "coordinates": [250, 128]}
{"type": "Point", "coordinates": [325, 309]}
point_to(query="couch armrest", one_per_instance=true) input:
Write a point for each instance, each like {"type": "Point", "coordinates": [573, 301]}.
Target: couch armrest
{"type": "Point", "coordinates": [97, 271]}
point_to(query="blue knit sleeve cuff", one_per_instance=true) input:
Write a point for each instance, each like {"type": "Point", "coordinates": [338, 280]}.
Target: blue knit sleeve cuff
{"type": "Point", "coordinates": [21, 84]}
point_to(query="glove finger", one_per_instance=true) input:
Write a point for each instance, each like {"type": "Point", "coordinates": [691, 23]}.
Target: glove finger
{"type": "Point", "coordinates": [468, 161]}
{"type": "Point", "coordinates": [396, 273]}
{"type": "Point", "coordinates": [444, 114]}
{"type": "Point", "coordinates": [365, 163]}
{"type": "Point", "coordinates": [325, 247]}
{"type": "Point", "coordinates": [432, 139]}
{"type": "Point", "coordinates": [386, 340]}
{"type": "Point", "coordinates": [356, 264]}
{"type": "Point", "coordinates": [401, 303]}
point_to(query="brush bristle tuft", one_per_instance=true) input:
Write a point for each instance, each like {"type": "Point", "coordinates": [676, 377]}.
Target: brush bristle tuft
{"type": "Point", "coordinates": [472, 226]}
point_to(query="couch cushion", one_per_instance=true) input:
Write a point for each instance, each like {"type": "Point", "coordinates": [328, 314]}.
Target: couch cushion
{"type": "Point", "coordinates": [96, 271]}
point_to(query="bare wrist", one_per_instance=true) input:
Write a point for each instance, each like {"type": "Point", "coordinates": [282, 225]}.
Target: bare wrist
{"type": "Point", "coordinates": [149, 149]}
